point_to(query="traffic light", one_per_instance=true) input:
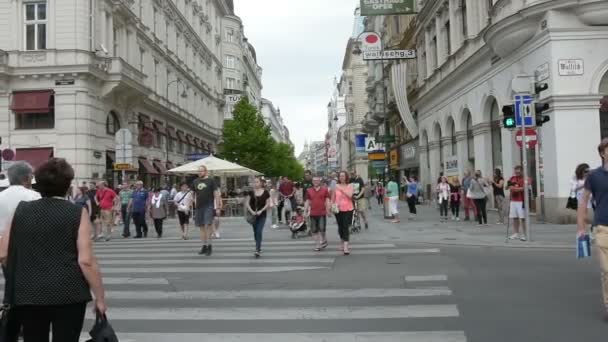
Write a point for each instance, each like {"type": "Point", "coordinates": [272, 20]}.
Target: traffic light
{"type": "Point", "coordinates": [539, 107]}
{"type": "Point", "coordinates": [508, 120]}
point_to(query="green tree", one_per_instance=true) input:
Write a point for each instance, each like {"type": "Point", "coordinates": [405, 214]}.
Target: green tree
{"type": "Point", "coordinates": [246, 138]}
{"type": "Point", "coordinates": [283, 162]}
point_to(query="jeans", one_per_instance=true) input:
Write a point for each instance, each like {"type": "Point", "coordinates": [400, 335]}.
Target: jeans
{"type": "Point", "coordinates": [443, 208]}
{"type": "Point", "coordinates": [380, 199]}
{"type": "Point", "coordinates": [500, 205]}
{"type": "Point", "coordinates": [258, 229]}
{"type": "Point", "coordinates": [455, 206]}
{"type": "Point", "coordinates": [345, 220]}
{"type": "Point", "coordinates": [411, 202]}
{"type": "Point", "coordinates": [139, 219]}
{"type": "Point", "coordinates": [480, 203]}
{"type": "Point", "coordinates": [66, 320]}
{"type": "Point", "coordinates": [126, 219]}
{"type": "Point", "coordinates": [158, 225]}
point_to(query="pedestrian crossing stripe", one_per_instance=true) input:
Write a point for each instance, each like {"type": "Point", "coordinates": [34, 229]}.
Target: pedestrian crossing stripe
{"type": "Point", "coordinates": [397, 336]}
{"type": "Point", "coordinates": [180, 247]}
{"type": "Point", "coordinates": [282, 313]}
{"type": "Point", "coordinates": [199, 270]}
{"type": "Point", "coordinates": [425, 278]}
{"type": "Point", "coordinates": [127, 281]}
{"type": "Point", "coordinates": [213, 261]}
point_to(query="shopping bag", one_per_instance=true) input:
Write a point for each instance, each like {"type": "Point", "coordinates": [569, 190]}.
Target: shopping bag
{"type": "Point", "coordinates": [583, 246]}
{"type": "Point", "coordinates": [102, 331]}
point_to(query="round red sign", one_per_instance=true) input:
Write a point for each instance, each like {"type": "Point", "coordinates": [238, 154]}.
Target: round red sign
{"type": "Point", "coordinates": [531, 138]}
{"type": "Point", "coordinates": [8, 154]}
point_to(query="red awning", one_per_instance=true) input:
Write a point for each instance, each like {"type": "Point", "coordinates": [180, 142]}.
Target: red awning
{"type": "Point", "coordinates": [202, 145]}
{"type": "Point", "coordinates": [197, 143]}
{"type": "Point", "coordinates": [160, 167]}
{"type": "Point", "coordinates": [34, 156]}
{"type": "Point", "coordinates": [146, 123]}
{"type": "Point", "coordinates": [190, 139]}
{"type": "Point", "coordinates": [31, 102]}
{"type": "Point", "coordinates": [181, 136]}
{"type": "Point", "coordinates": [171, 132]}
{"type": "Point", "coordinates": [145, 164]}
{"type": "Point", "coordinates": [160, 127]}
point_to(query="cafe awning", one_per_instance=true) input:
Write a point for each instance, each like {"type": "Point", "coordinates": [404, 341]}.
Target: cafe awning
{"type": "Point", "coordinates": [34, 156]}
{"type": "Point", "coordinates": [32, 102]}
{"type": "Point", "coordinates": [159, 127]}
{"type": "Point", "coordinates": [160, 167]}
{"type": "Point", "coordinates": [148, 168]}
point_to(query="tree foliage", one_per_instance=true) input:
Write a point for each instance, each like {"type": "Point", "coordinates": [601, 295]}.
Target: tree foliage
{"type": "Point", "coordinates": [247, 141]}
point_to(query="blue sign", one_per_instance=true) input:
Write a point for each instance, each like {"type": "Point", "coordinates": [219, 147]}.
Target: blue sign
{"type": "Point", "coordinates": [360, 143]}
{"type": "Point", "coordinates": [523, 101]}
{"type": "Point", "coordinates": [196, 156]}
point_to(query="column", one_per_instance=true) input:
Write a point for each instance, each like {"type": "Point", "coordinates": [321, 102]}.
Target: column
{"type": "Point", "coordinates": [434, 156]}
{"type": "Point", "coordinates": [454, 25]}
{"type": "Point", "coordinates": [429, 52]}
{"type": "Point", "coordinates": [446, 151]}
{"type": "Point", "coordinates": [424, 167]}
{"type": "Point", "coordinates": [462, 152]}
{"type": "Point", "coordinates": [482, 136]}
{"type": "Point", "coordinates": [110, 33]}
{"type": "Point", "coordinates": [472, 26]}
{"type": "Point", "coordinates": [103, 30]}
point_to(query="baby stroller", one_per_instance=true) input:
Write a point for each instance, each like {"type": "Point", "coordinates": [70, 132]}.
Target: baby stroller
{"type": "Point", "coordinates": [298, 224]}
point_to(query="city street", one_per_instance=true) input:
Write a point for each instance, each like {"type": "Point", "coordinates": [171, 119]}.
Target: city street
{"type": "Point", "coordinates": [161, 290]}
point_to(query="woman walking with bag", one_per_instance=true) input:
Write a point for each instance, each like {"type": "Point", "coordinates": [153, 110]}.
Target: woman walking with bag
{"type": "Point", "coordinates": [183, 201]}
{"type": "Point", "coordinates": [478, 194]}
{"type": "Point", "coordinates": [412, 195]}
{"type": "Point", "coordinates": [159, 209]}
{"type": "Point", "coordinates": [257, 204]}
{"type": "Point", "coordinates": [342, 206]}
{"type": "Point", "coordinates": [443, 196]}
{"type": "Point", "coordinates": [49, 262]}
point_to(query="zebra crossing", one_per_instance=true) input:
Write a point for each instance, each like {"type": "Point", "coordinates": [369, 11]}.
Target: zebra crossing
{"type": "Point", "coordinates": [159, 290]}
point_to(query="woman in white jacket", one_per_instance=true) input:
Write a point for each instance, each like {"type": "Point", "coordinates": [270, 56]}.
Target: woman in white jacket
{"type": "Point", "coordinates": [443, 198]}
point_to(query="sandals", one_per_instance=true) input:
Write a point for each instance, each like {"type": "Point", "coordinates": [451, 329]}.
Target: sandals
{"type": "Point", "coordinates": [324, 245]}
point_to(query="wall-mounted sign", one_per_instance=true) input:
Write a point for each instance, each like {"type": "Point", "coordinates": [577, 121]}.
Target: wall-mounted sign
{"type": "Point", "coordinates": [376, 156]}
{"type": "Point", "coordinates": [64, 82]}
{"type": "Point", "coordinates": [387, 7]}
{"type": "Point", "coordinates": [8, 154]}
{"type": "Point", "coordinates": [571, 67]}
{"type": "Point", "coordinates": [371, 145]}
{"type": "Point", "coordinates": [97, 154]}
{"type": "Point", "coordinates": [451, 166]}
{"type": "Point", "coordinates": [542, 72]}
{"type": "Point", "coordinates": [409, 155]}
{"type": "Point", "coordinates": [394, 159]}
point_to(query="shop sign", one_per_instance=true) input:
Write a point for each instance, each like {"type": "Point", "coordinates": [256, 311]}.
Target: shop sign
{"type": "Point", "coordinates": [409, 155]}
{"type": "Point", "coordinates": [376, 156]}
{"type": "Point", "coordinates": [387, 7]}
{"type": "Point", "coordinates": [394, 159]}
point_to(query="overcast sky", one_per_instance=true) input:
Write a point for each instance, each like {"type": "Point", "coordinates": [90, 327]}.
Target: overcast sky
{"type": "Point", "coordinates": [300, 45]}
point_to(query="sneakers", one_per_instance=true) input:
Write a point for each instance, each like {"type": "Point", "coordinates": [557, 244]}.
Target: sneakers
{"type": "Point", "coordinates": [514, 237]}
{"type": "Point", "coordinates": [523, 238]}
{"type": "Point", "coordinates": [216, 235]}
{"type": "Point", "coordinates": [457, 218]}
{"type": "Point", "coordinates": [275, 226]}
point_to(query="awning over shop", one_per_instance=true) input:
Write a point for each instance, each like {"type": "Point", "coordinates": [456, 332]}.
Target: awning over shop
{"type": "Point", "coordinates": [146, 123]}
{"type": "Point", "coordinates": [34, 156]}
{"type": "Point", "coordinates": [197, 143]}
{"type": "Point", "coordinates": [203, 145]}
{"type": "Point", "coordinates": [148, 168]}
{"type": "Point", "coordinates": [171, 132]}
{"type": "Point", "coordinates": [160, 167]}
{"type": "Point", "coordinates": [399, 80]}
{"type": "Point", "coordinates": [32, 102]}
{"type": "Point", "coordinates": [181, 136]}
{"type": "Point", "coordinates": [159, 127]}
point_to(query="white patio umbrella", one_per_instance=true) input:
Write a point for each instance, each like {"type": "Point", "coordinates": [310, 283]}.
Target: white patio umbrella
{"type": "Point", "coordinates": [216, 166]}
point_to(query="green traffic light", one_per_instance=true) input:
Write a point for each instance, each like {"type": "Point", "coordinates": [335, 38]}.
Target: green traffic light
{"type": "Point", "coordinates": [509, 122]}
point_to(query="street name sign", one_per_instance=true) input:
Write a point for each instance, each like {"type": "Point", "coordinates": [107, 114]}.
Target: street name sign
{"type": "Point", "coordinates": [389, 54]}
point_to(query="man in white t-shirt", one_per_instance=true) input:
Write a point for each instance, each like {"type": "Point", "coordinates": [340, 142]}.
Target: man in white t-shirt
{"type": "Point", "coordinates": [20, 177]}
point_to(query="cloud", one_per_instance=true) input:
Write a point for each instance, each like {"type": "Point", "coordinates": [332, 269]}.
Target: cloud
{"type": "Point", "coordinates": [300, 45]}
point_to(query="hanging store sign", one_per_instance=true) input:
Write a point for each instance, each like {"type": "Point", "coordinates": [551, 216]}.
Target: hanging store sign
{"type": "Point", "coordinates": [387, 7]}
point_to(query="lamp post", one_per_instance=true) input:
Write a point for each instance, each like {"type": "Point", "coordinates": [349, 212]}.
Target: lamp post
{"type": "Point", "coordinates": [357, 51]}
{"type": "Point", "coordinates": [183, 95]}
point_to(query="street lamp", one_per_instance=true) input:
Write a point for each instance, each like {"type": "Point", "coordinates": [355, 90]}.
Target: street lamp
{"type": "Point", "coordinates": [358, 51]}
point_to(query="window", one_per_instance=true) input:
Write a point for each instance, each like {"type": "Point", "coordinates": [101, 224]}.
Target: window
{"type": "Point", "coordinates": [180, 146]}
{"type": "Point", "coordinates": [230, 35]}
{"type": "Point", "coordinates": [34, 110]}
{"type": "Point", "coordinates": [168, 80]}
{"type": "Point", "coordinates": [170, 142]}
{"type": "Point", "coordinates": [142, 58]}
{"type": "Point", "coordinates": [230, 83]}
{"type": "Point", "coordinates": [158, 141]}
{"type": "Point", "coordinates": [112, 123]}
{"type": "Point", "coordinates": [35, 25]}
{"type": "Point", "coordinates": [448, 41]}
{"type": "Point", "coordinates": [35, 120]}
{"type": "Point", "coordinates": [167, 32]}
{"type": "Point", "coordinates": [156, 76]}
{"type": "Point", "coordinates": [463, 9]}
{"type": "Point", "coordinates": [177, 43]}
{"type": "Point", "coordinates": [230, 62]}
{"type": "Point", "coordinates": [155, 28]}
{"type": "Point", "coordinates": [115, 40]}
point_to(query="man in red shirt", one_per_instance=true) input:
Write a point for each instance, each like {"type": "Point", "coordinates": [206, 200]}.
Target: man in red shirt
{"type": "Point", "coordinates": [105, 197]}
{"type": "Point", "coordinates": [317, 208]}
{"type": "Point", "coordinates": [517, 211]}
{"type": "Point", "coordinates": [286, 193]}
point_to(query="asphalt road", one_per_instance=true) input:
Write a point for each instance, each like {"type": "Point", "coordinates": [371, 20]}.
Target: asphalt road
{"type": "Point", "coordinates": [160, 290]}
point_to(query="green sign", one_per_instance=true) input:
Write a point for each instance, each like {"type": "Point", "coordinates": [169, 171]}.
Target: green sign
{"type": "Point", "coordinates": [387, 7]}
{"type": "Point", "coordinates": [387, 139]}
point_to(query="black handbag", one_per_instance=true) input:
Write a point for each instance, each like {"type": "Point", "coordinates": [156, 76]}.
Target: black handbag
{"type": "Point", "coordinates": [249, 216]}
{"type": "Point", "coordinates": [572, 203]}
{"type": "Point", "coordinates": [102, 331]}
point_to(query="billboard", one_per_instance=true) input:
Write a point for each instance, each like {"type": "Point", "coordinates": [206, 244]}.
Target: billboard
{"type": "Point", "coordinates": [387, 7]}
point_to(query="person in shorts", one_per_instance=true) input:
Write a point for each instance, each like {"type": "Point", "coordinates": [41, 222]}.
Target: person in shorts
{"type": "Point", "coordinates": [516, 207]}
{"type": "Point", "coordinates": [317, 209]}
{"type": "Point", "coordinates": [207, 199]}
{"type": "Point", "coordinates": [359, 197]}
{"type": "Point", "coordinates": [183, 200]}
{"type": "Point", "coordinates": [106, 198]}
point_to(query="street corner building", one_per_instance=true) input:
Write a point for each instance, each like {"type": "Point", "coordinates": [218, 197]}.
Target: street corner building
{"type": "Point", "coordinates": [74, 72]}
{"type": "Point", "coordinates": [468, 54]}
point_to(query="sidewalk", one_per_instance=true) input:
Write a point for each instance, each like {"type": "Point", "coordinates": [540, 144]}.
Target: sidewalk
{"type": "Point", "coordinates": [427, 229]}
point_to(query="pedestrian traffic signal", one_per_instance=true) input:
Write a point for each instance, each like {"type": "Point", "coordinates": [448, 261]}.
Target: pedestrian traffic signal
{"type": "Point", "coordinates": [540, 87]}
{"type": "Point", "coordinates": [508, 120]}
{"type": "Point", "coordinates": [540, 108]}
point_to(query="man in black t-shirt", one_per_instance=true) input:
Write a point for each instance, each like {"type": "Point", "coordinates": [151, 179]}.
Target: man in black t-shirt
{"type": "Point", "coordinates": [307, 183]}
{"type": "Point", "coordinates": [359, 196]}
{"type": "Point", "coordinates": [207, 201]}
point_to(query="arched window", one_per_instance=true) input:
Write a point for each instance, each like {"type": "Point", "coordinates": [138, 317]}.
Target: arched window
{"type": "Point", "coordinates": [112, 123]}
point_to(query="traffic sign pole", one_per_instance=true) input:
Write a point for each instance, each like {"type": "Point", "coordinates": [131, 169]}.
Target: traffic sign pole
{"type": "Point", "coordinates": [524, 157]}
